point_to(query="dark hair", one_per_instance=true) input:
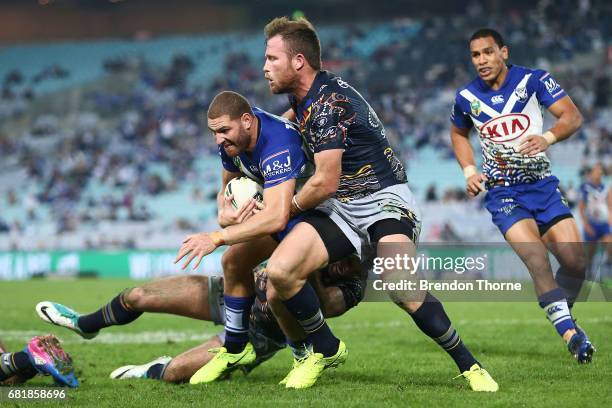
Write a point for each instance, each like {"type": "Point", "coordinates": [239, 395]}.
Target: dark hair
{"type": "Point", "coordinates": [488, 32]}
{"type": "Point", "coordinates": [229, 103]}
{"type": "Point", "coordinates": [300, 37]}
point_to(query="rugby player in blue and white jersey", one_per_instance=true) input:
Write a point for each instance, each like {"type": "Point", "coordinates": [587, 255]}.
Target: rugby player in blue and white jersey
{"type": "Point", "coordinates": [267, 149]}
{"type": "Point", "coordinates": [503, 105]}
{"type": "Point", "coordinates": [358, 196]}
{"type": "Point", "coordinates": [595, 209]}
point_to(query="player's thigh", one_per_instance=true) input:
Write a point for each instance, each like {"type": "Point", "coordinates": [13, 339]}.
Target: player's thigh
{"type": "Point", "coordinates": [564, 241]}
{"type": "Point", "coordinates": [524, 237]}
{"type": "Point", "coordinates": [185, 295]}
{"type": "Point", "coordinates": [300, 253]}
{"type": "Point", "coordinates": [247, 255]}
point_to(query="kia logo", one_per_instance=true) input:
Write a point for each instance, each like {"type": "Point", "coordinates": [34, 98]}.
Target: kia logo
{"type": "Point", "coordinates": [505, 128]}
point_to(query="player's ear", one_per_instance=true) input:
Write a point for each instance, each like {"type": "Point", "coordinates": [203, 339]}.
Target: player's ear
{"type": "Point", "coordinates": [246, 119]}
{"type": "Point", "coordinates": [504, 52]}
{"type": "Point", "coordinates": [298, 61]}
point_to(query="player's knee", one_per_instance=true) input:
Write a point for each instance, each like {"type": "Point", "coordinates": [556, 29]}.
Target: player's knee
{"type": "Point", "coordinates": [135, 298]}
{"type": "Point", "coordinates": [536, 262]}
{"type": "Point", "coordinates": [576, 265]}
{"type": "Point", "coordinates": [229, 263]}
{"type": "Point", "coordinates": [278, 274]}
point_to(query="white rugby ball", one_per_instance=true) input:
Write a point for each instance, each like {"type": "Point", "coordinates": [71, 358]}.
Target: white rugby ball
{"type": "Point", "coordinates": [243, 188]}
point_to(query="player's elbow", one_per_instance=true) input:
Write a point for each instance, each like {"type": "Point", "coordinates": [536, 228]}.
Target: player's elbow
{"type": "Point", "coordinates": [578, 119]}
{"type": "Point", "coordinates": [327, 186]}
{"type": "Point", "coordinates": [275, 218]}
{"type": "Point", "coordinates": [574, 118]}
{"type": "Point", "coordinates": [279, 222]}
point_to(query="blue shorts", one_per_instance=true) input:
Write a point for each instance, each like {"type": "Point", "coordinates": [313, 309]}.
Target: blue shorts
{"type": "Point", "coordinates": [541, 201]}
{"type": "Point", "coordinates": [600, 230]}
{"type": "Point", "coordinates": [279, 236]}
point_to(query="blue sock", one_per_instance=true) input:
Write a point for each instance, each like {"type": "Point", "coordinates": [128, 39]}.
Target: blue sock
{"type": "Point", "coordinates": [557, 310]}
{"type": "Point", "coordinates": [237, 312]}
{"type": "Point", "coordinates": [305, 307]}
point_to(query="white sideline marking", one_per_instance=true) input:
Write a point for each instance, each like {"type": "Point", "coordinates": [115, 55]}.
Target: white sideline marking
{"type": "Point", "coordinates": [175, 336]}
{"type": "Point", "coordinates": [145, 337]}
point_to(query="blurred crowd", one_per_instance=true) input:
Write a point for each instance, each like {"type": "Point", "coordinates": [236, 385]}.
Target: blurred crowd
{"type": "Point", "coordinates": [118, 137]}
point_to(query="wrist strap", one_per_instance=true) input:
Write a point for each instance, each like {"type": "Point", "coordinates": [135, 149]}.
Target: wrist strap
{"type": "Point", "coordinates": [469, 171]}
{"type": "Point", "coordinates": [217, 238]}
{"type": "Point", "coordinates": [550, 137]}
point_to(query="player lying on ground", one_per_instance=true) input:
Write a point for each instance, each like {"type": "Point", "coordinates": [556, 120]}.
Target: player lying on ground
{"type": "Point", "coordinates": [201, 297]}
{"type": "Point", "coordinates": [503, 104]}
{"type": "Point", "coordinates": [42, 355]}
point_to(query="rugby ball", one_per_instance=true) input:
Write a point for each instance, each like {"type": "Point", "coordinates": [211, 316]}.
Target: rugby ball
{"type": "Point", "coordinates": [243, 188]}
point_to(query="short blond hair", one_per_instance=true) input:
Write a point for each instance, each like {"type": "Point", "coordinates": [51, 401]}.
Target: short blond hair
{"type": "Point", "coordinates": [300, 37]}
{"type": "Point", "coordinates": [229, 103]}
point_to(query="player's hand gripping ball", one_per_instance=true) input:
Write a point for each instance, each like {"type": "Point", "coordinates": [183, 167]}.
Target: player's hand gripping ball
{"type": "Point", "coordinates": [242, 189]}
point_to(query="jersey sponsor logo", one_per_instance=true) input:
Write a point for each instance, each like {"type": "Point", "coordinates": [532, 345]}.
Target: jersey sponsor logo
{"type": "Point", "coordinates": [497, 99]}
{"type": "Point", "coordinates": [551, 85]}
{"type": "Point", "coordinates": [505, 128]}
{"type": "Point", "coordinates": [475, 107]}
{"type": "Point", "coordinates": [276, 165]}
{"type": "Point", "coordinates": [521, 94]}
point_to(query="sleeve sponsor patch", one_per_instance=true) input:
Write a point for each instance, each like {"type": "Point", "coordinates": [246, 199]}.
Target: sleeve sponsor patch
{"type": "Point", "coordinates": [551, 85]}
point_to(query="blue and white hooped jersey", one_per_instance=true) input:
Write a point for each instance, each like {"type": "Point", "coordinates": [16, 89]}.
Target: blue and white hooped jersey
{"type": "Point", "coordinates": [595, 198]}
{"type": "Point", "coordinates": [504, 118]}
{"type": "Point", "coordinates": [279, 154]}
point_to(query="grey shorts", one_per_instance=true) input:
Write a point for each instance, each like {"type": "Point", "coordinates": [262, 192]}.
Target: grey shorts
{"type": "Point", "coordinates": [216, 304]}
{"type": "Point", "coordinates": [356, 216]}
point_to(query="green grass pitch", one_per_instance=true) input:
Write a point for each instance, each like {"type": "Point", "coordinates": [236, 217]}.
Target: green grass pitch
{"type": "Point", "coordinates": [390, 362]}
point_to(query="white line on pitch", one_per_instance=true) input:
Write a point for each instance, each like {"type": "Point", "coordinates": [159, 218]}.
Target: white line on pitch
{"type": "Point", "coordinates": [175, 336]}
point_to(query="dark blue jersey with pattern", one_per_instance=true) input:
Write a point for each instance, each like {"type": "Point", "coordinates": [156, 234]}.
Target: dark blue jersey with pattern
{"type": "Point", "coordinates": [333, 115]}
{"type": "Point", "coordinates": [278, 155]}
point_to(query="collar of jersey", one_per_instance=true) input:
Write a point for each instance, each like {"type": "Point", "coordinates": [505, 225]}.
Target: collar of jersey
{"type": "Point", "coordinates": [314, 90]}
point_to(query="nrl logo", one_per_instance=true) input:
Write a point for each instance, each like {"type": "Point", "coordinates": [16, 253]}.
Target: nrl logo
{"type": "Point", "coordinates": [521, 94]}
{"type": "Point", "coordinates": [475, 107]}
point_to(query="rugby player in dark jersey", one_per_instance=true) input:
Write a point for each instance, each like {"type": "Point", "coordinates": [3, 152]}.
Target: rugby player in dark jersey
{"type": "Point", "coordinates": [358, 196]}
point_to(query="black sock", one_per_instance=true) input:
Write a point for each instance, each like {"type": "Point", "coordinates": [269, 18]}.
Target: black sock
{"type": "Point", "coordinates": [433, 321]}
{"type": "Point", "coordinates": [305, 307]}
{"type": "Point", "coordinates": [16, 364]}
{"type": "Point", "coordinates": [571, 286]}
{"type": "Point", "coordinates": [156, 371]}
{"type": "Point", "coordinates": [115, 312]}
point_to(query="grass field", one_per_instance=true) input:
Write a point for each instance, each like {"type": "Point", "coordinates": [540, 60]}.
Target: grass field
{"type": "Point", "coordinates": [390, 363]}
